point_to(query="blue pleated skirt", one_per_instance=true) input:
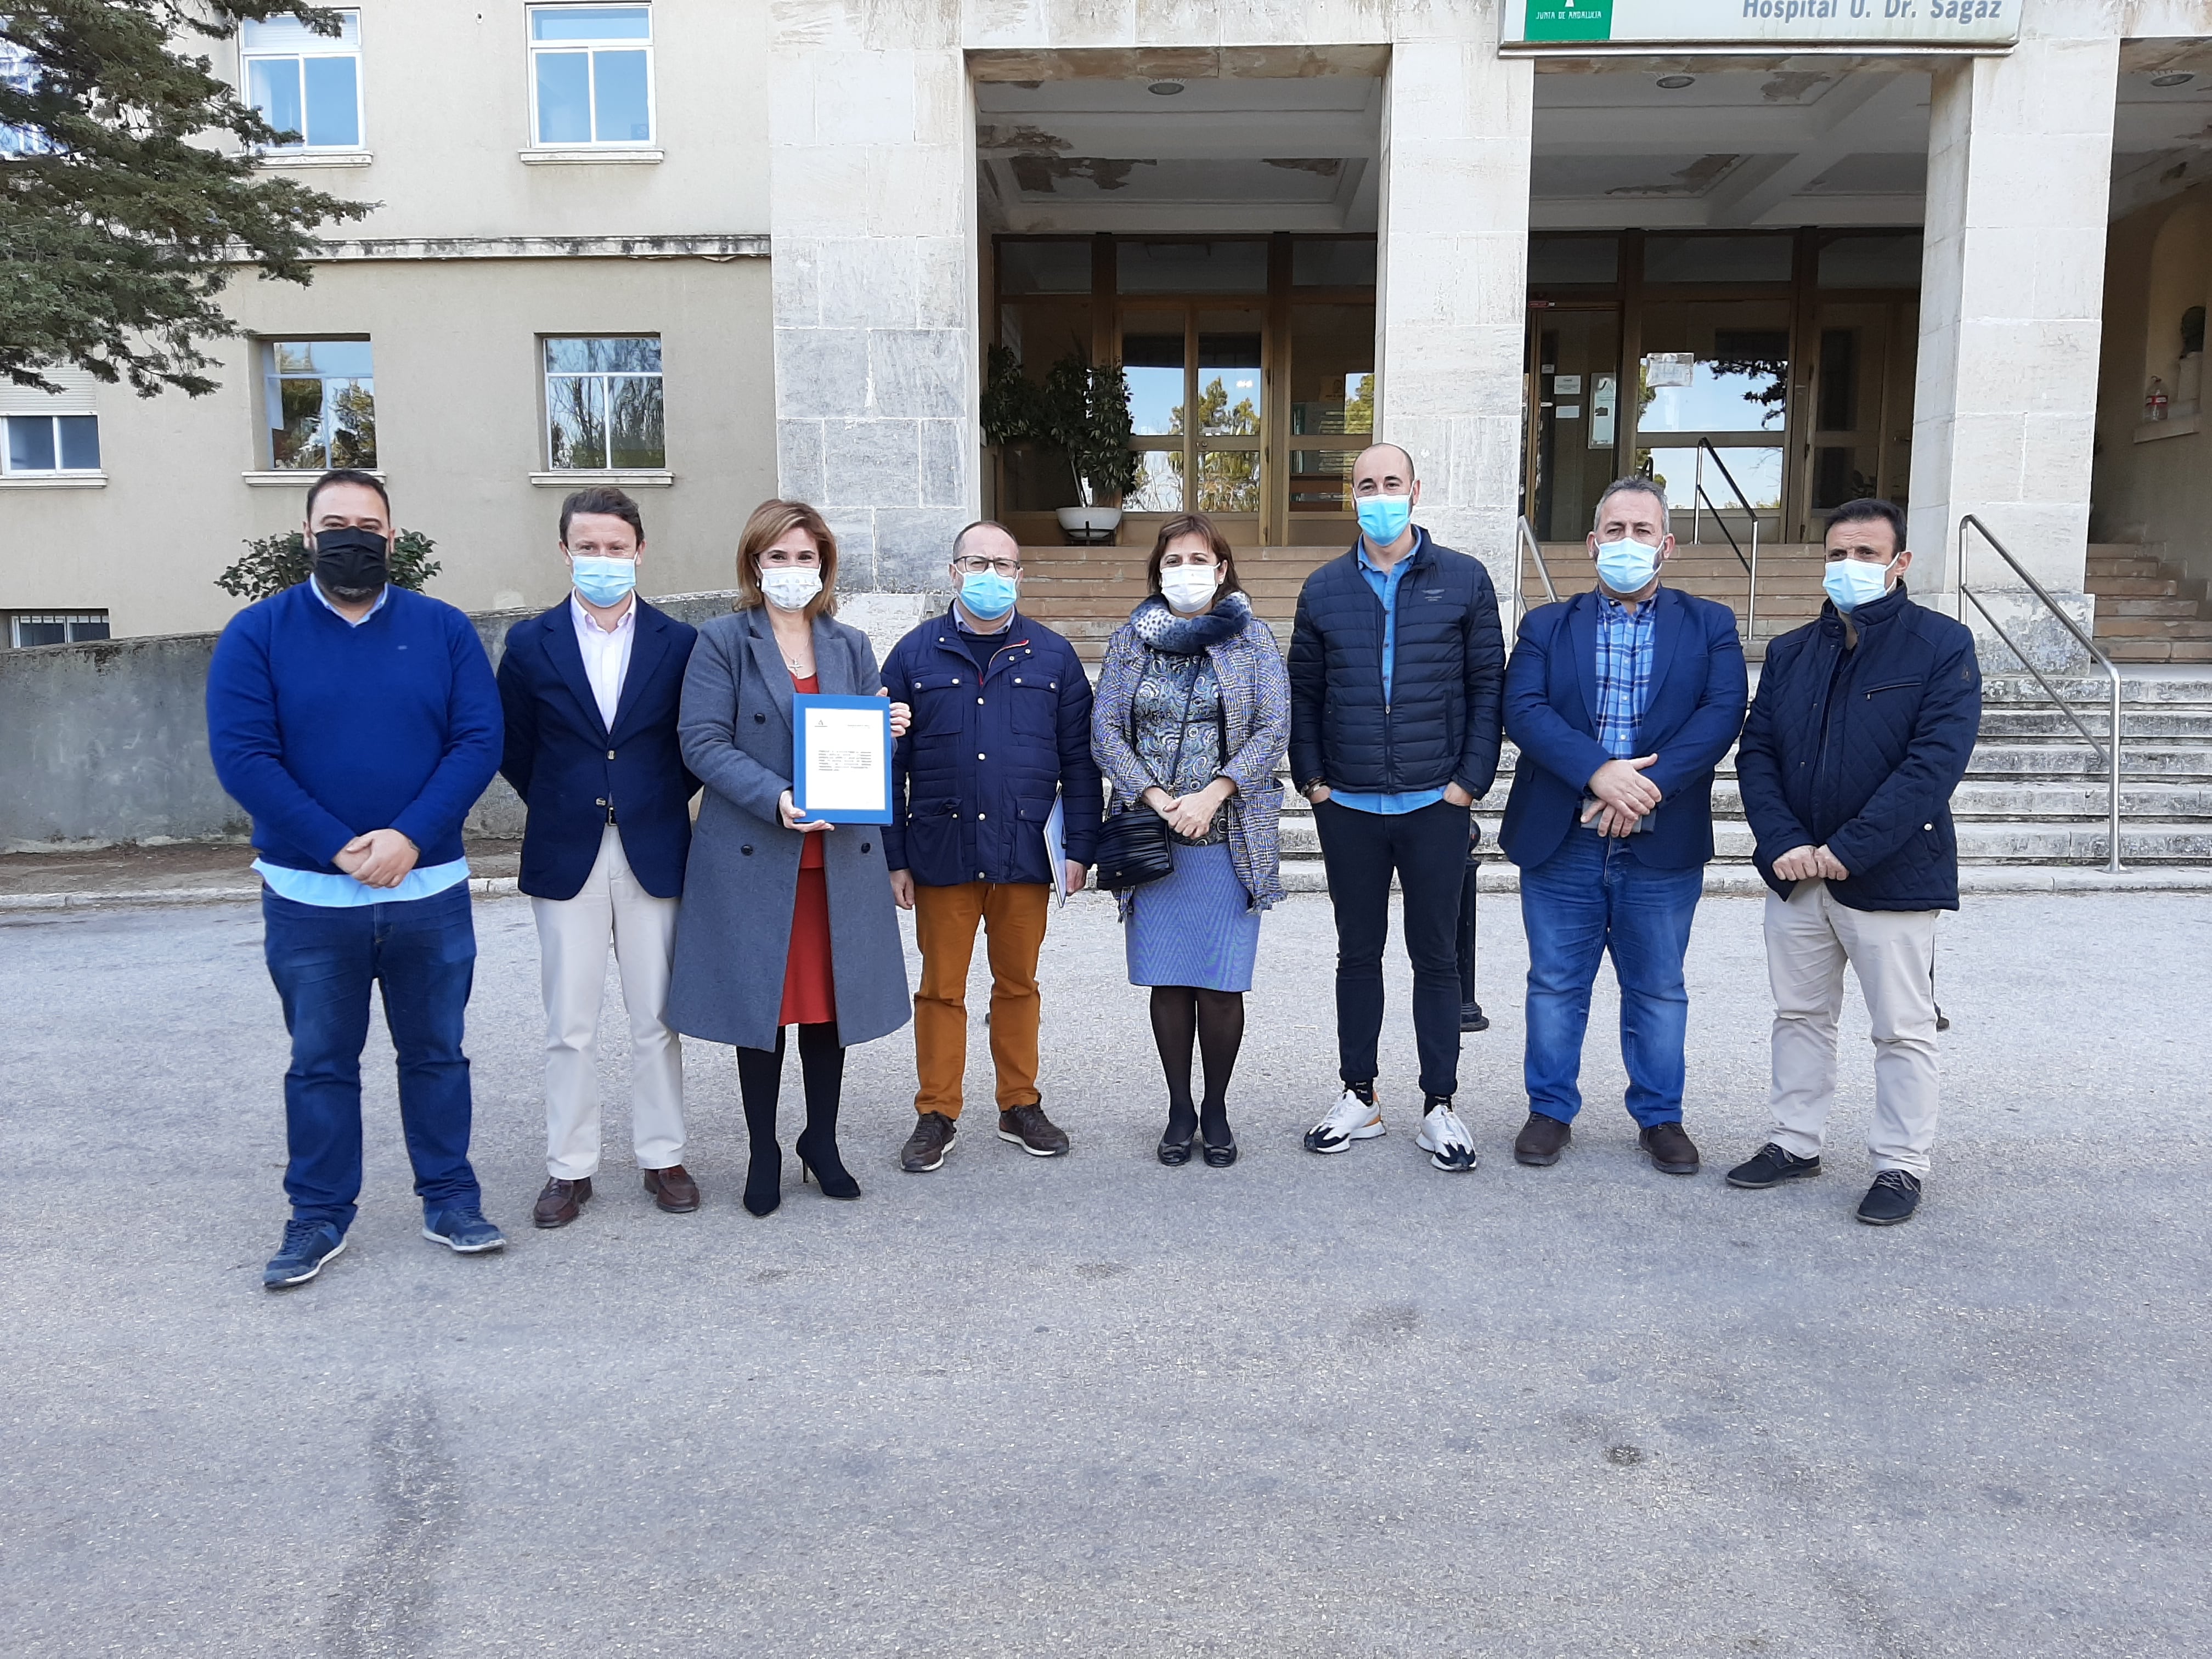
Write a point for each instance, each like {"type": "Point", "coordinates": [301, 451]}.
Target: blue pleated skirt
{"type": "Point", "coordinates": [1196, 927]}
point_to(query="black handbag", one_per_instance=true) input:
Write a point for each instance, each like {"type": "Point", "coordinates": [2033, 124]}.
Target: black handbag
{"type": "Point", "coordinates": [1133, 846]}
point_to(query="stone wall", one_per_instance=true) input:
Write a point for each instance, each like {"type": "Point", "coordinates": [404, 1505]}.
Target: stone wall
{"type": "Point", "coordinates": [105, 744]}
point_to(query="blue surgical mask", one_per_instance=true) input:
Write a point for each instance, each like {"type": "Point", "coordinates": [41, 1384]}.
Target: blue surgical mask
{"type": "Point", "coordinates": [1383, 519]}
{"type": "Point", "coordinates": [1627, 567]}
{"type": "Point", "coordinates": [1854, 582]}
{"type": "Point", "coordinates": [603, 581]}
{"type": "Point", "coordinates": [987, 595]}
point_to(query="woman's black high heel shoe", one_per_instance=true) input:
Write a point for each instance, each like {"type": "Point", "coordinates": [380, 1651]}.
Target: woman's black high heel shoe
{"type": "Point", "coordinates": [764, 1181]}
{"type": "Point", "coordinates": [827, 1170]}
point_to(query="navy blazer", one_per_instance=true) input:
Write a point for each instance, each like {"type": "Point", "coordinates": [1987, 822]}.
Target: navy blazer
{"type": "Point", "coordinates": [1698, 691]}
{"type": "Point", "coordinates": [568, 767]}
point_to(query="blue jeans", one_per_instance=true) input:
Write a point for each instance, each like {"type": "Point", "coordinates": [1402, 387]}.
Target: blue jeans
{"type": "Point", "coordinates": [422, 954]}
{"type": "Point", "coordinates": [1590, 898]}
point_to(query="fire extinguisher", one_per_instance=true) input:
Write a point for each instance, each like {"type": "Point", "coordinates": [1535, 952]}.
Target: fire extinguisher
{"type": "Point", "coordinates": [2154, 403]}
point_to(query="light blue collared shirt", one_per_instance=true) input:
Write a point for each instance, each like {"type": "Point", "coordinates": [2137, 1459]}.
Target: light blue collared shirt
{"type": "Point", "coordinates": [1385, 584]}
{"type": "Point", "coordinates": [342, 891]}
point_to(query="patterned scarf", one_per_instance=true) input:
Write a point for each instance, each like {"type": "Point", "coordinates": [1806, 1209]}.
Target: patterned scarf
{"type": "Point", "coordinates": [1187, 636]}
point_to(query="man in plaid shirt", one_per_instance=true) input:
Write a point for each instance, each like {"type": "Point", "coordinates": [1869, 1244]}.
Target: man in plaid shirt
{"type": "Point", "coordinates": [1623, 701]}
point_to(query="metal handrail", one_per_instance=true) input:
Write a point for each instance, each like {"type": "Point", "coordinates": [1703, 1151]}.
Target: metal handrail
{"type": "Point", "coordinates": [1751, 565]}
{"type": "Point", "coordinates": [1528, 533]}
{"type": "Point", "coordinates": [2108, 752]}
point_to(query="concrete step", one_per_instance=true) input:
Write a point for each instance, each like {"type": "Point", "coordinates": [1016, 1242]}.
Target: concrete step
{"type": "Point", "coordinates": [2183, 608]}
{"type": "Point", "coordinates": [2151, 586]}
{"type": "Point", "coordinates": [2151, 628]}
{"type": "Point", "coordinates": [2122, 565]}
{"type": "Point", "coordinates": [2158, 650]}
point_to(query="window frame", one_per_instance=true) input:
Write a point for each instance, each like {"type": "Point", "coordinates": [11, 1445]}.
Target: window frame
{"type": "Point", "coordinates": [69, 621]}
{"type": "Point", "coordinates": [591, 49]}
{"type": "Point", "coordinates": [272, 402]}
{"type": "Point", "coordinates": [546, 375]}
{"type": "Point", "coordinates": [9, 470]}
{"type": "Point", "coordinates": [338, 46]}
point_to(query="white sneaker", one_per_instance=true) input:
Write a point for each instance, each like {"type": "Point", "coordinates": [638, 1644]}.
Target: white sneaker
{"type": "Point", "coordinates": [1351, 1119]}
{"type": "Point", "coordinates": [1445, 1140]}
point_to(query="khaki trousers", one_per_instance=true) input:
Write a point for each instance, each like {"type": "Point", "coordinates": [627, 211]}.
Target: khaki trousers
{"type": "Point", "coordinates": [573, 936]}
{"type": "Point", "coordinates": [1808, 940]}
{"type": "Point", "coordinates": [944, 918]}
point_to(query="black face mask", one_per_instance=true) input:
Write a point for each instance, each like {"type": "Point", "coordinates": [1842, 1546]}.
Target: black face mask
{"type": "Point", "coordinates": [351, 564]}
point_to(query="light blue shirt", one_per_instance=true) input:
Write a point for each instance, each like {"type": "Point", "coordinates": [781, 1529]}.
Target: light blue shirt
{"type": "Point", "coordinates": [342, 891]}
{"type": "Point", "coordinates": [1385, 584]}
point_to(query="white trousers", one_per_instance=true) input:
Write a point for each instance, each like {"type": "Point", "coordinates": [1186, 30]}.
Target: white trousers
{"type": "Point", "coordinates": [1808, 940]}
{"type": "Point", "coordinates": [572, 936]}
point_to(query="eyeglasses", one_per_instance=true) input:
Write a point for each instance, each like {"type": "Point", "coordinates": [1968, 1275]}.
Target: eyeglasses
{"type": "Point", "coordinates": [975, 566]}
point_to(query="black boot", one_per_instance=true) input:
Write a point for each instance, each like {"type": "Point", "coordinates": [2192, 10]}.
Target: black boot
{"type": "Point", "coordinates": [760, 1080]}
{"type": "Point", "coordinates": [821, 1062]}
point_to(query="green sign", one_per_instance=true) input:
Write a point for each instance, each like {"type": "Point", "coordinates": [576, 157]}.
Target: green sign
{"type": "Point", "coordinates": [1566, 20]}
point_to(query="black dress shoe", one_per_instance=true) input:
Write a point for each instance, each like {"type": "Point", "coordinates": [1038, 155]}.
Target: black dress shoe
{"type": "Point", "coordinates": [1175, 1138]}
{"type": "Point", "coordinates": [1540, 1141]}
{"type": "Point", "coordinates": [1770, 1166]}
{"type": "Point", "coordinates": [818, 1157]}
{"type": "Point", "coordinates": [1892, 1198]}
{"type": "Point", "coordinates": [1218, 1155]}
{"type": "Point", "coordinates": [763, 1182]}
{"type": "Point", "coordinates": [1472, 1018]}
{"type": "Point", "coordinates": [562, 1201]}
{"type": "Point", "coordinates": [1670, 1148]}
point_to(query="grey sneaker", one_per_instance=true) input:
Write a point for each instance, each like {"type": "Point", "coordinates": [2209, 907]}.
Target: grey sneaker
{"type": "Point", "coordinates": [1029, 1128]}
{"type": "Point", "coordinates": [925, 1147]}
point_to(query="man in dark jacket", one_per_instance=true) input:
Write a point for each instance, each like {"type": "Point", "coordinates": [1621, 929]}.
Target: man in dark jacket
{"type": "Point", "coordinates": [1396, 663]}
{"type": "Point", "coordinates": [590, 691]}
{"type": "Point", "coordinates": [1623, 701]}
{"type": "Point", "coordinates": [1863, 725]}
{"type": "Point", "coordinates": [1001, 728]}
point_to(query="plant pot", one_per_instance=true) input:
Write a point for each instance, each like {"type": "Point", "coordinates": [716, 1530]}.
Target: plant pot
{"type": "Point", "coordinates": [1089, 527]}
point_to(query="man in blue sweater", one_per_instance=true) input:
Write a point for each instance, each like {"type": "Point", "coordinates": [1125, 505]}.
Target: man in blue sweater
{"type": "Point", "coordinates": [1396, 665]}
{"type": "Point", "coordinates": [357, 723]}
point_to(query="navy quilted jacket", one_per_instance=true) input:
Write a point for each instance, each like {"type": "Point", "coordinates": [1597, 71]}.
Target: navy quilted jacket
{"type": "Point", "coordinates": [1443, 723]}
{"type": "Point", "coordinates": [1859, 751]}
{"type": "Point", "coordinates": [974, 779]}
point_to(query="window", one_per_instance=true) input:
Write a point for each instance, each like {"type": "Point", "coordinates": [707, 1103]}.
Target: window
{"type": "Point", "coordinates": [306, 85]}
{"type": "Point", "coordinates": [56, 627]}
{"type": "Point", "coordinates": [48, 446]}
{"type": "Point", "coordinates": [590, 73]}
{"type": "Point", "coordinates": [321, 400]}
{"type": "Point", "coordinates": [603, 403]}
{"type": "Point", "coordinates": [19, 72]}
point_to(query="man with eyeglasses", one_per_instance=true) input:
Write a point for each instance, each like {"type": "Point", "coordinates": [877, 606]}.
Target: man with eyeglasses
{"type": "Point", "coordinates": [1397, 669]}
{"type": "Point", "coordinates": [1863, 724]}
{"type": "Point", "coordinates": [1001, 728]}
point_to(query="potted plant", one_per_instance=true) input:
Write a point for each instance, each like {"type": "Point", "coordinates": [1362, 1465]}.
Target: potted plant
{"type": "Point", "coordinates": [1083, 412]}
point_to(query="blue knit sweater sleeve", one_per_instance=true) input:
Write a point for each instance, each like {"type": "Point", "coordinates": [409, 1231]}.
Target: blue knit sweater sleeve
{"type": "Point", "coordinates": [474, 732]}
{"type": "Point", "coordinates": [246, 744]}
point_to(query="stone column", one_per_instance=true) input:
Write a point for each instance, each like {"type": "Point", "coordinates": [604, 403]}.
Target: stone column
{"type": "Point", "coordinates": [871, 215]}
{"type": "Point", "coordinates": [1452, 291]}
{"type": "Point", "coordinates": [2011, 302]}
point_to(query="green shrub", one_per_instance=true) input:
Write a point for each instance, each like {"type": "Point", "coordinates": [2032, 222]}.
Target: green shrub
{"type": "Point", "coordinates": [273, 563]}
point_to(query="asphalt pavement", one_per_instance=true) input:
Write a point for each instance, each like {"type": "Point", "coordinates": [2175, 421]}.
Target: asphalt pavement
{"type": "Point", "coordinates": [1303, 1407]}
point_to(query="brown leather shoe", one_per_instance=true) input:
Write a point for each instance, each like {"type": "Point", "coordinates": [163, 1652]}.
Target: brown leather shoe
{"type": "Point", "coordinates": [674, 1189]}
{"type": "Point", "coordinates": [1029, 1128]}
{"type": "Point", "coordinates": [1540, 1141]}
{"type": "Point", "coordinates": [562, 1201]}
{"type": "Point", "coordinates": [924, 1149]}
{"type": "Point", "coordinates": [1671, 1148]}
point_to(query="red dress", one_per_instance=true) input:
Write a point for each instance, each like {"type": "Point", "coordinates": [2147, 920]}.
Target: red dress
{"type": "Point", "coordinates": [809, 991]}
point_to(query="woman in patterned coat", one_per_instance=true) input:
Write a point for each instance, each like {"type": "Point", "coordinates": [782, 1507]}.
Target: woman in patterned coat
{"type": "Point", "coordinates": [1192, 718]}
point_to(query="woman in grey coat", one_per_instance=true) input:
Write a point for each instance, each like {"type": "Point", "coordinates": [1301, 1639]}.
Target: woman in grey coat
{"type": "Point", "coordinates": [1192, 717]}
{"type": "Point", "coordinates": [787, 920]}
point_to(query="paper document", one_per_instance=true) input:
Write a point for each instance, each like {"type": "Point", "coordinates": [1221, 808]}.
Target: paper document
{"type": "Point", "coordinates": [1056, 847]}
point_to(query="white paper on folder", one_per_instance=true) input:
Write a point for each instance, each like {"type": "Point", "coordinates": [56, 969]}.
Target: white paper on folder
{"type": "Point", "coordinates": [1055, 848]}
{"type": "Point", "coordinates": [846, 761]}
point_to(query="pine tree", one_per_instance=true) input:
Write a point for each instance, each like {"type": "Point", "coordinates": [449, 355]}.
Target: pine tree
{"type": "Point", "coordinates": [120, 223]}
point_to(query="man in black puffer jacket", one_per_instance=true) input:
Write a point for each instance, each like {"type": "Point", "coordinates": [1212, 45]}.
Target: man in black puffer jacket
{"type": "Point", "coordinates": [1397, 677]}
{"type": "Point", "coordinates": [1862, 726]}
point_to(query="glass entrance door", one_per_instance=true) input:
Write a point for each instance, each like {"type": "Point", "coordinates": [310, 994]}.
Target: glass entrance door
{"type": "Point", "coordinates": [1574, 416]}
{"type": "Point", "coordinates": [1715, 374]}
{"type": "Point", "coordinates": [1859, 441]}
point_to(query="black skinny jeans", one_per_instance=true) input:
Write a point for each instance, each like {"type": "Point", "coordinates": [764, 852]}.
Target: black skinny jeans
{"type": "Point", "coordinates": [1427, 850]}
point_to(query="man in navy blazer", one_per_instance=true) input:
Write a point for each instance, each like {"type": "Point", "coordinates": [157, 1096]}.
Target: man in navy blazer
{"type": "Point", "coordinates": [1623, 701]}
{"type": "Point", "coordinates": [590, 691]}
